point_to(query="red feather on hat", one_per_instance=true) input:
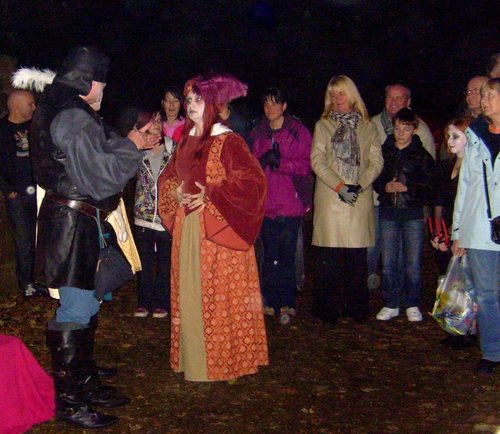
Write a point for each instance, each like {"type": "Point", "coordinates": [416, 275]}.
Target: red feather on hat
{"type": "Point", "coordinates": [219, 89]}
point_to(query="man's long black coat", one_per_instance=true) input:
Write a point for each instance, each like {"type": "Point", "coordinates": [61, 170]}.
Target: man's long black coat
{"type": "Point", "coordinates": [73, 158]}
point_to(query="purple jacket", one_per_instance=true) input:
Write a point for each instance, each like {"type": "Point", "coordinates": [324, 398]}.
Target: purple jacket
{"type": "Point", "coordinates": [295, 147]}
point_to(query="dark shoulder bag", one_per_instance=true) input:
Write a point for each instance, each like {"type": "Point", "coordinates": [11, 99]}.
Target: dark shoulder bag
{"type": "Point", "coordinates": [494, 222]}
{"type": "Point", "coordinates": [113, 269]}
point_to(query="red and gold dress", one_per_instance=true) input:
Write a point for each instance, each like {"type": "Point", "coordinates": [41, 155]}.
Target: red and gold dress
{"type": "Point", "coordinates": [218, 330]}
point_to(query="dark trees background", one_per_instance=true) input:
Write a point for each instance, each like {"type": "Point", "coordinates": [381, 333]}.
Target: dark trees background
{"type": "Point", "coordinates": [435, 45]}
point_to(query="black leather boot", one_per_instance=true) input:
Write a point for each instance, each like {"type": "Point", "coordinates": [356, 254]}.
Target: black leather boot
{"type": "Point", "coordinates": [101, 370]}
{"type": "Point", "coordinates": [70, 380]}
{"type": "Point", "coordinates": [100, 394]}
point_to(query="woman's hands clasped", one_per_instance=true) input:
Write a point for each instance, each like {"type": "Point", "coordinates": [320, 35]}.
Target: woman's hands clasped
{"type": "Point", "coordinates": [190, 201]}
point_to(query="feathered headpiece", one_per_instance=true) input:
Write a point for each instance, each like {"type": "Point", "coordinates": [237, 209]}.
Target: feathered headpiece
{"type": "Point", "coordinates": [217, 89]}
{"type": "Point", "coordinates": [80, 67]}
{"type": "Point", "coordinates": [32, 78]}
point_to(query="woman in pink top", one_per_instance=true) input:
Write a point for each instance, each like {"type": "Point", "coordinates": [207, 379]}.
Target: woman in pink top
{"type": "Point", "coordinates": [173, 120]}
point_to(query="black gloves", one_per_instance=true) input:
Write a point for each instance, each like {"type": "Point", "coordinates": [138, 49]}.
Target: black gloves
{"type": "Point", "coordinates": [270, 158]}
{"type": "Point", "coordinates": [356, 189]}
{"type": "Point", "coordinates": [349, 193]}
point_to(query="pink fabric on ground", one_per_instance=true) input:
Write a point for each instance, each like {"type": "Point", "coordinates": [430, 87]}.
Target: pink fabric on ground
{"type": "Point", "coordinates": [26, 390]}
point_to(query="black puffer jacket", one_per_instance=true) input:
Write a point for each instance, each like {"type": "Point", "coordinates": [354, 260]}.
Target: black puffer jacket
{"type": "Point", "coordinates": [410, 166]}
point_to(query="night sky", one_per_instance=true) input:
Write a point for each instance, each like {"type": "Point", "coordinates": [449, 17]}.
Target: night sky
{"type": "Point", "coordinates": [434, 46]}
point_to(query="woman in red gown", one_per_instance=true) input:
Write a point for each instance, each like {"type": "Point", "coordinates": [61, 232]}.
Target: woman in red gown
{"type": "Point", "coordinates": [211, 197]}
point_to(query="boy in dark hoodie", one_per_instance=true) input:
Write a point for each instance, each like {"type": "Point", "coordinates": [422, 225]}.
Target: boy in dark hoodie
{"type": "Point", "coordinates": [404, 187]}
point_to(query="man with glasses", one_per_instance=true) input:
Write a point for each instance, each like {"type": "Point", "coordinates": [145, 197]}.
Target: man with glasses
{"type": "Point", "coordinates": [473, 95]}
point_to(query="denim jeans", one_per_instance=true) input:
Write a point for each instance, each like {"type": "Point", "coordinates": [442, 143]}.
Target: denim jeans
{"type": "Point", "coordinates": [21, 212]}
{"type": "Point", "coordinates": [408, 235]}
{"type": "Point", "coordinates": [280, 243]}
{"type": "Point", "coordinates": [375, 251]}
{"type": "Point", "coordinates": [76, 305]}
{"type": "Point", "coordinates": [485, 269]}
{"type": "Point", "coordinates": [153, 282]}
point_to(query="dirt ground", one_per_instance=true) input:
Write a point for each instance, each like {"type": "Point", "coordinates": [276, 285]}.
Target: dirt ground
{"type": "Point", "coordinates": [375, 377]}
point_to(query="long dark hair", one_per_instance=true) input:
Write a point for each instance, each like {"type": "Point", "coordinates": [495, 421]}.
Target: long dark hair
{"type": "Point", "coordinates": [176, 93]}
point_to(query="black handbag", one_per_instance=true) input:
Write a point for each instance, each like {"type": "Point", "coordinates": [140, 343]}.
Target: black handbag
{"type": "Point", "coordinates": [494, 222]}
{"type": "Point", "coordinates": [113, 269]}
{"type": "Point", "coordinates": [495, 230]}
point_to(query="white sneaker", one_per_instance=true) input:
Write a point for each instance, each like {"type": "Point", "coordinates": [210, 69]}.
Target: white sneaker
{"type": "Point", "coordinates": [268, 310]}
{"type": "Point", "coordinates": [29, 290]}
{"type": "Point", "coordinates": [141, 312]}
{"type": "Point", "coordinates": [387, 313]}
{"type": "Point", "coordinates": [160, 313]}
{"type": "Point", "coordinates": [413, 314]}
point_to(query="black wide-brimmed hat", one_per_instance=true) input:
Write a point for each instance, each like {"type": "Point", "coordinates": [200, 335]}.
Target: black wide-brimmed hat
{"type": "Point", "coordinates": [81, 66]}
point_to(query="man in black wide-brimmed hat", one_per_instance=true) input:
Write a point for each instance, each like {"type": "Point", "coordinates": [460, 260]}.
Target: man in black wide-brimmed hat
{"type": "Point", "coordinates": [83, 174]}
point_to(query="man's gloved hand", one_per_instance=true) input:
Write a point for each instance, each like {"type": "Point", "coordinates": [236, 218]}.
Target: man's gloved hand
{"type": "Point", "coordinates": [270, 158]}
{"type": "Point", "coordinates": [348, 194]}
